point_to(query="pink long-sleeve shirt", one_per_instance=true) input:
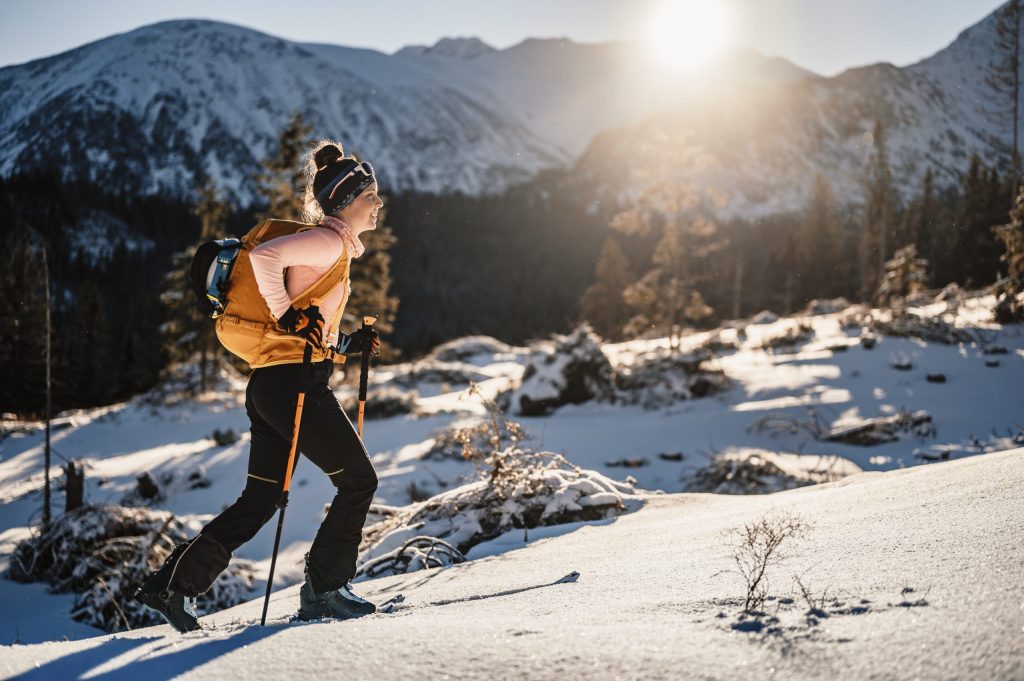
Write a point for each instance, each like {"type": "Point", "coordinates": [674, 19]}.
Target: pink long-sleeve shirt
{"type": "Point", "coordinates": [286, 266]}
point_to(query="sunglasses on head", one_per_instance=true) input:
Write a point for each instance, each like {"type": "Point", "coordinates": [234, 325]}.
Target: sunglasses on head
{"type": "Point", "coordinates": [363, 168]}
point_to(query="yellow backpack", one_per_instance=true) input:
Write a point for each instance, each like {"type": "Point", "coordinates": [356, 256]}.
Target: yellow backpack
{"type": "Point", "coordinates": [221, 269]}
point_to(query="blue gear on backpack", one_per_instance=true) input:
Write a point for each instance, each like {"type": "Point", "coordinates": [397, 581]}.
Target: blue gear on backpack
{"type": "Point", "coordinates": [210, 274]}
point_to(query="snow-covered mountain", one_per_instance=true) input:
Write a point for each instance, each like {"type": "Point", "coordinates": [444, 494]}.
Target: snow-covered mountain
{"type": "Point", "coordinates": [759, 149]}
{"type": "Point", "coordinates": [152, 109]}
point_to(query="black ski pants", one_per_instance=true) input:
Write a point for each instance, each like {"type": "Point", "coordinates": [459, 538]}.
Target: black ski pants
{"type": "Point", "coordinates": [328, 439]}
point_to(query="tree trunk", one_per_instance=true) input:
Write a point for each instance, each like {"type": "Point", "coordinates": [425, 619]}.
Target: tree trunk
{"type": "Point", "coordinates": [46, 451]}
{"type": "Point", "coordinates": [737, 288]}
{"type": "Point", "coordinates": [74, 486]}
{"type": "Point", "coordinates": [1015, 172]}
{"type": "Point", "coordinates": [203, 364]}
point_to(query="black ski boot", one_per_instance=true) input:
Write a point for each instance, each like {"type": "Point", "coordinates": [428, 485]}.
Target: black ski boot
{"type": "Point", "coordinates": [339, 604]}
{"type": "Point", "coordinates": [155, 593]}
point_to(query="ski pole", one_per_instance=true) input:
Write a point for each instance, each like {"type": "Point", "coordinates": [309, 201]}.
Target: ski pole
{"type": "Point", "coordinates": [364, 369]}
{"type": "Point", "coordinates": [307, 361]}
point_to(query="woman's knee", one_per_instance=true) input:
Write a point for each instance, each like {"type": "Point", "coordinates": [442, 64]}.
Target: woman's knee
{"type": "Point", "coordinates": [363, 480]}
{"type": "Point", "coordinates": [262, 497]}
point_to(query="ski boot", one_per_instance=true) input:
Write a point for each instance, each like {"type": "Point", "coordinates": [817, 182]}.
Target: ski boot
{"type": "Point", "coordinates": [155, 593]}
{"type": "Point", "coordinates": [339, 604]}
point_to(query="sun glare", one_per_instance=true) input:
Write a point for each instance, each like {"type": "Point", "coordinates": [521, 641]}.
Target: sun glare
{"type": "Point", "coordinates": [685, 34]}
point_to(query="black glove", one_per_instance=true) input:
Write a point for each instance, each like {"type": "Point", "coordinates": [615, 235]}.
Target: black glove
{"type": "Point", "coordinates": [352, 344]}
{"type": "Point", "coordinates": [307, 324]}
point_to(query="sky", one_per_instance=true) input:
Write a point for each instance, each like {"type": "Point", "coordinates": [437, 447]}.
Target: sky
{"type": "Point", "coordinates": [825, 36]}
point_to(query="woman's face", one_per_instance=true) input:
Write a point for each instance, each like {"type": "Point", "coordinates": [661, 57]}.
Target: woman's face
{"type": "Point", "coordinates": [361, 214]}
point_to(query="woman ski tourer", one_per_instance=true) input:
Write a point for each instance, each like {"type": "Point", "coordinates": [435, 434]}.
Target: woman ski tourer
{"type": "Point", "coordinates": [341, 202]}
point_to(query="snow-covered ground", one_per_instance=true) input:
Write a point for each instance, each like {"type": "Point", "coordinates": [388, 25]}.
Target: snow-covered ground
{"type": "Point", "coordinates": [922, 569]}
{"type": "Point", "coordinates": [824, 382]}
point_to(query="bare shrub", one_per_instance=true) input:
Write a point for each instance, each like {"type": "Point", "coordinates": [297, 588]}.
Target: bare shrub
{"type": "Point", "coordinates": [103, 553]}
{"type": "Point", "coordinates": [419, 553]}
{"type": "Point", "coordinates": [474, 442]}
{"type": "Point", "coordinates": [786, 340]}
{"type": "Point", "coordinates": [865, 432]}
{"type": "Point", "coordinates": [759, 546]}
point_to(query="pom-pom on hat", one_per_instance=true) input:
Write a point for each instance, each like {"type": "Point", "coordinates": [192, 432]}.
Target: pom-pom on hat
{"type": "Point", "coordinates": [338, 180]}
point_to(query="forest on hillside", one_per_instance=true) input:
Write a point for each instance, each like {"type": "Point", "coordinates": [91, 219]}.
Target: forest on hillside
{"type": "Point", "coordinates": [518, 265]}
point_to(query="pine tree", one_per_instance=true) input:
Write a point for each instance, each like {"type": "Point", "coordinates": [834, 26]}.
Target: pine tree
{"type": "Point", "coordinates": [667, 296]}
{"type": "Point", "coordinates": [89, 368]}
{"type": "Point", "coordinates": [1003, 79]}
{"type": "Point", "coordinates": [981, 207]}
{"type": "Point", "coordinates": [1010, 307]}
{"type": "Point", "coordinates": [22, 323]}
{"type": "Point", "coordinates": [880, 214]}
{"type": "Point", "coordinates": [282, 181]}
{"type": "Point", "coordinates": [905, 274]}
{"type": "Point", "coordinates": [820, 241]}
{"type": "Point", "coordinates": [603, 304]}
{"type": "Point", "coordinates": [187, 331]}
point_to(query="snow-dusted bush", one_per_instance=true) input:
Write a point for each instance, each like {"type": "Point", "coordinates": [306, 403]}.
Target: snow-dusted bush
{"type": "Point", "coordinates": [419, 553]}
{"type": "Point", "coordinates": [452, 443]}
{"type": "Point", "coordinates": [575, 371]}
{"type": "Point", "coordinates": [865, 432]}
{"type": "Point", "coordinates": [913, 325]}
{"type": "Point", "coordinates": [749, 473]}
{"type": "Point", "coordinates": [516, 487]}
{"type": "Point", "coordinates": [382, 402]}
{"type": "Point", "coordinates": [457, 373]}
{"type": "Point", "coordinates": [820, 306]}
{"type": "Point", "coordinates": [462, 349]}
{"type": "Point", "coordinates": [788, 338]}
{"type": "Point", "coordinates": [181, 383]}
{"type": "Point", "coordinates": [853, 317]}
{"type": "Point", "coordinates": [658, 379]}
{"type": "Point", "coordinates": [103, 554]}
{"type": "Point", "coordinates": [523, 489]}
{"type": "Point", "coordinates": [764, 317]}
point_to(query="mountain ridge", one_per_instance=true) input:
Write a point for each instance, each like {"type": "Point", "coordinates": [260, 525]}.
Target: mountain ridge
{"type": "Point", "coordinates": [154, 109]}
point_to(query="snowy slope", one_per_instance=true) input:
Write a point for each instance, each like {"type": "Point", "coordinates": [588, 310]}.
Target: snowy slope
{"type": "Point", "coordinates": [826, 377]}
{"type": "Point", "coordinates": [923, 565]}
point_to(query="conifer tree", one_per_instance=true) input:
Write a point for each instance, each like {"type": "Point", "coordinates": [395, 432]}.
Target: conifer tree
{"type": "Point", "coordinates": [880, 214]}
{"type": "Point", "coordinates": [603, 304]}
{"type": "Point", "coordinates": [1003, 79]}
{"type": "Point", "coordinates": [22, 323]}
{"type": "Point", "coordinates": [282, 180]}
{"type": "Point", "coordinates": [981, 207]}
{"type": "Point", "coordinates": [1010, 308]}
{"type": "Point", "coordinates": [89, 365]}
{"type": "Point", "coordinates": [666, 296]}
{"type": "Point", "coordinates": [188, 332]}
{"type": "Point", "coordinates": [820, 241]}
{"type": "Point", "coordinates": [905, 274]}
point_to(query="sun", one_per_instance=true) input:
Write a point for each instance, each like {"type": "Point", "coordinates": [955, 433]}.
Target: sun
{"type": "Point", "coordinates": [686, 34]}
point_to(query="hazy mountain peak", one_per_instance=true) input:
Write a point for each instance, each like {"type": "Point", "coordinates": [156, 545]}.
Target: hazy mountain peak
{"type": "Point", "coordinates": [452, 48]}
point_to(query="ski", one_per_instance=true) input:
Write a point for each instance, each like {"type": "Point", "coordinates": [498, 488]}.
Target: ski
{"type": "Point", "coordinates": [395, 604]}
{"type": "Point", "coordinates": [389, 605]}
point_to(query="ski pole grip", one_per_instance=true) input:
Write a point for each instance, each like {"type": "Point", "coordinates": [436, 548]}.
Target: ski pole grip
{"type": "Point", "coordinates": [364, 367]}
